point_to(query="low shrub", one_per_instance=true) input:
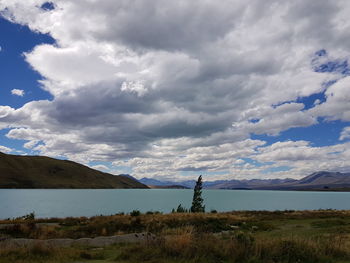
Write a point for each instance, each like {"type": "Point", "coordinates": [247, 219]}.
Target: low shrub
{"type": "Point", "coordinates": [135, 213]}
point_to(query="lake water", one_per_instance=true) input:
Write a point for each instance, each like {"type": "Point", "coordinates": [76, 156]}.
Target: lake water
{"type": "Point", "coordinates": [63, 203]}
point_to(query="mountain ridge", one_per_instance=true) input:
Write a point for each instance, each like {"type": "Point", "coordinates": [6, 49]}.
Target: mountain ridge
{"type": "Point", "coordinates": [17, 171]}
{"type": "Point", "coordinates": [322, 180]}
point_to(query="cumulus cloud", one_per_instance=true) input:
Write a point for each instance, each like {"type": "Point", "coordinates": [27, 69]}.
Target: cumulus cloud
{"type": "Point", "coordinates": [18, 92]}
{"type": "Point", "coordinates": [272, 120]}
{"type": "Point", "coordinates": [100, 167]}
{"type": "Point", "coordinates": [245, 159]}
{"type": "Point", "coordinates": [345, 134]}
{"type": "Point", "coordinates": [5, 149]}
{"type": "Point", "coordinates": [303, 158]}
{"type": "Point", "coordinates": [336, 106]}
{"type": "Point", "coordinates": [170, 87]}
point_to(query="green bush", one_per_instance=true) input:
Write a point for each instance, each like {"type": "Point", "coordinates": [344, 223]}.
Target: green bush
{"type": "Point", "coordinates": [29, 217]}
{"type": "Point", "coordinates": [135, 213]}
{"type": "Point", "coordinates": [179, 209]}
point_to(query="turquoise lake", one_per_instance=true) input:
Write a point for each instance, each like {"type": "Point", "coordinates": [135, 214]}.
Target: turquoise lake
{"type": "Point", "coordinates": [64, 203]}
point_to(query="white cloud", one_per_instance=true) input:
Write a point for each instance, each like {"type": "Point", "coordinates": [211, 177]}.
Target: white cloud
{"type": "Point", "coordinates": [5, 149]}
{"type": "Point", "coordinates": [303, 158]}
{"type": "Point", "coordinates": [136, 87]}
{"type": "Point", "coordinates": [345, 134]}
{"type": "Point", "coordinates": [272, 120]}
{"type": "Point", "coordinates": [18, 92]}
{"type": "Point", "coordinates": [336, 106]}
{"type": "Point", "coordinates": [224, 161]}
{"type": "Point", "coordinates": [166, 87]}
{"type": "Point", "coordinates": [100, 167]}
{"type": "Point", "coordinates": [30, 144]}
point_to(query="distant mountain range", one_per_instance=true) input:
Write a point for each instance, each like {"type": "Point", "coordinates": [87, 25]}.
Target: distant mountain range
{"type": "Point", "coordinates": [18, 171]}
{"type": "Point", "coordinates": [317, 181]}
{"type": "Point", "coordinates": [173, 186]}
{"type": "Point", "coordinates": [219, 184]}
{"type": "Point", "coordinates": [154, 182]}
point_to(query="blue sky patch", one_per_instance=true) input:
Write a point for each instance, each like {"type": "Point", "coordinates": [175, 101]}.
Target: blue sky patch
{"type": "Point", "coordinates": [48, 6]}
{"type": "Point", "coordinates": [16, 73]}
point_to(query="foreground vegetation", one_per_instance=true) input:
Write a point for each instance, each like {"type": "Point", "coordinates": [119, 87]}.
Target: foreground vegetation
{"type": "Point", "coordinates": [281, 236]}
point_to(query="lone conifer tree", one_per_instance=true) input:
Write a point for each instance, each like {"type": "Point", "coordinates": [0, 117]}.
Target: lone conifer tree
{"type": "Point", "coordinates": [197, 202]}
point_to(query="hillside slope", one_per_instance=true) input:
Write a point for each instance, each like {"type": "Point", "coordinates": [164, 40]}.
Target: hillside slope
{"type": "Point", "coordinates": [44, 172]}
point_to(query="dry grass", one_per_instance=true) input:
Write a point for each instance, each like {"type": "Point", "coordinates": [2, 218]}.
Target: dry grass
{"type": "Point", "coordinates": [119, 224]}
{"type": "Point", "coordinates": [245, 237]}
{"type": "Point", "coordinates": [240, 247]}
{"type": "Point", "coordinates": [158, 223]}
{"type": "Point", "coordinates": [37, 253]}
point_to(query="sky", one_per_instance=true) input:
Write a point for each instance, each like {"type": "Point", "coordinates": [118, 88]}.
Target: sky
{"type": "Point", "coordinates": [173, 89]}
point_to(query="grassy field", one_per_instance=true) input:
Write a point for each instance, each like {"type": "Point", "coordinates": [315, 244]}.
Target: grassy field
{"type": "Point", "coordinates": [281, 236]}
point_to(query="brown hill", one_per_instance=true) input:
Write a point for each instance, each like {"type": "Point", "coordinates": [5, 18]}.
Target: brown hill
{"type": "Point", "coordinates": [43, 172]}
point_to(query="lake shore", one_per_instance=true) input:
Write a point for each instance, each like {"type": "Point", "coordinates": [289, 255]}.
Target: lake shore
{"type": "Point", "coordinates": [242, 236]}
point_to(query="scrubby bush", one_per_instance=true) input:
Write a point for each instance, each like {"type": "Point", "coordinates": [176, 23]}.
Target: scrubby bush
{"type": "Point", "coordinates": [135, 213]}
{"type": "Point", "coordinates": [30, 216]}
{"type": "Point", "coordinates": [180, 209]}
